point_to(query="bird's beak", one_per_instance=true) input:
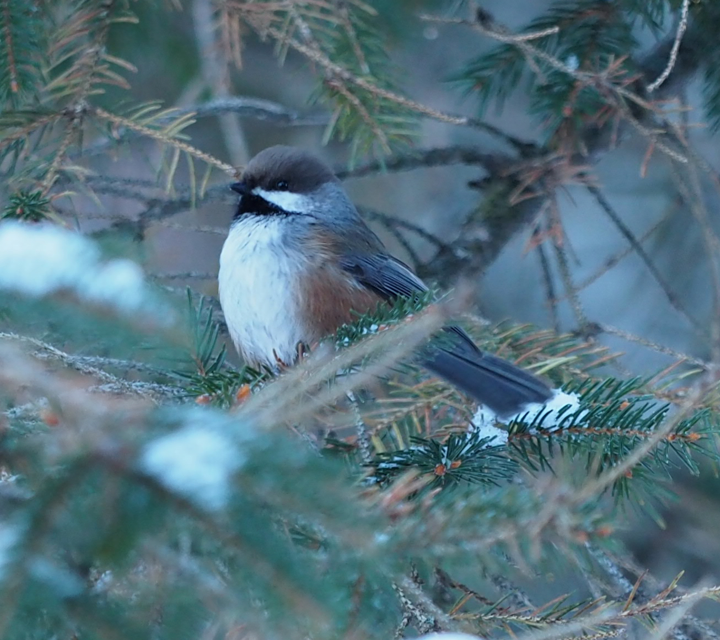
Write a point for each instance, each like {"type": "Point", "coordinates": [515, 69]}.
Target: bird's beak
{"type": "Point", "coordinates": [241, 187]}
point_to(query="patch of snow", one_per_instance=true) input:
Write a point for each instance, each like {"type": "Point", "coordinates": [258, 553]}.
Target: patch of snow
{"type": "Point", "coordinates": [552, 415]}
{"type": "Point", "coordinates": [44, 259]}
{"type": "Point", "coordinates": [119, 282]}
{"type": "Point", "coordinates": [103, 582]}
{"type": "Point", "coordinates": [554, 412]}
{"type": "Point", "coordinates": [483, 423]}
{"type": "Point", "coordinates": [196, 461]}
{"type": "Point", "coordinates": [63, 582]}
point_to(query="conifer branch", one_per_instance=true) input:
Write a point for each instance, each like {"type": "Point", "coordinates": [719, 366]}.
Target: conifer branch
{"type": "Point", "coordinates": [163, 137]}
{"type": "Point", "coordinates": [9, 47]}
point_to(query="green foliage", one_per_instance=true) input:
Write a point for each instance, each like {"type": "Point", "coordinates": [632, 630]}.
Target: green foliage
{"type": "Point", "coordinates": [461, 458]}
{"type": "Point", "coordinates": [28, 206]}
{"type": "Point", "coordinates": [205, 331]}
{"type": "Point", "coordinates": [616, 417]}
{"type": "Point", "coordinates": [591, 35]}
{"type": "Point", "coordinates": [22, 44]}
{"type": "Point", "coordinates": [368, 120]}
{"type": "Point", "coordinates": [64, 56]}
{"type": "Point", "coordinates": [705, 25]}
{"type": "Point", "coordinates": [652, 13]}
{"type": "Point", "coordinates": [385, 315]}
{"type": "Point", "coordinates": [209, 375]}
{"type": "Point", "coordinates": [150, 521]}
{"type": "Point", "coordinates": [349, 42]}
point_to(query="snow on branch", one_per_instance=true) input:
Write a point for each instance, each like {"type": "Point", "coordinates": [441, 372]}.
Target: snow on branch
{"type": "Point", "coordinates": [44, 260]}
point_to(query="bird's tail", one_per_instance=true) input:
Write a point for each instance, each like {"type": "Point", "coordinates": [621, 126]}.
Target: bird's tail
{"type": "Point", "coordinates": [492, 381]}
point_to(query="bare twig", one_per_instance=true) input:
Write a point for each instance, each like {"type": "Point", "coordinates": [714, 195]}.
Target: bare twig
{"type": "Point", "coordinates": [694, 197]}
{"type": "Point", "coordinates": [398, 223]}
{"type": "Point", "coordinates": [163, 138]}
{"type": "Point", "coordinates": [682, 26]}
{"type": "Point", "coordinates": [550, 297]}
{"type": "Point", "coordinates": [9, 47]}
{"type": "Point", "coordinates": [187, 275]}
{"type": "Point", "coordinates": [642, 254]}
{"type": "Point", "coordinates": [244, 107]}
{"type": "Point", "coordinates": [613, 260]}
{"type": "Point", "coordinates": [570, 289]}
{"type": "Point", "coordinates": [423, 158]}
{"type": "Point", "coordinates": [614, 331]}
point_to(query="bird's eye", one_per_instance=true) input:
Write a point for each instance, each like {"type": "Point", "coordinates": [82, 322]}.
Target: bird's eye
{"type": "Point", "coordinates": [281, 185]}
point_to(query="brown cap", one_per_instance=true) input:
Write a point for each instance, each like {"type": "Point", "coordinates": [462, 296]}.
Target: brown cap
{"type": "Point", "coordinates": [283, 168]}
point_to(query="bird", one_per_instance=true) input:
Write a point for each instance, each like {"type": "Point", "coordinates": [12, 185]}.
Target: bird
{"type": "Point", "coordinates": [299, 262]}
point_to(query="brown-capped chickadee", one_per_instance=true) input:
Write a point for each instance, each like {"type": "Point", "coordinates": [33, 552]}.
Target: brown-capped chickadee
{"type": "Point", "coordinates": [299, 262]}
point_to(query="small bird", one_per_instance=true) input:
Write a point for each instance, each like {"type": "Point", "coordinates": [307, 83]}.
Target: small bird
{"type": "Point", "coordinates": [299, 262]}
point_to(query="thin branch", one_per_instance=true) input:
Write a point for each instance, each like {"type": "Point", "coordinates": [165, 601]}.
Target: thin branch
{"type": "Point", "coordinates": [615, 259]}
{"type": "Point", "coordinates": [649, 344]}
{"type": "Point", "coordinates": [188, 275]}
{"type": "Point", "coordinates": [244, 107]}
{"type": "Point", "coordinates": [111, 383]}
{"type": "Point", "coordinates": [642, 254]}
{"type": "Point", "coordinates": [341, 72]}
{"type": "Point", "coordinates": [549, 285]}
{"type": "Point", "coordinates": [424, 158]}
{"type": "Point", "coordinates": [682, 26]}
{"type": "Point", "coordinates": [570, 289]}
{"type": "Point", "coordinates": [364, 443]}
{"type": "Point", "coordinates": [390, 223]}
{"type": "Point", "coordinates": [393, 225]}
{"type": "Point", "coordinates": [164, 139]}
{"type": "Point", "coordinates": [258, 109]}
{"type": "Point", "coordinates": [10, 48]}
{"type": "Point", "coordinates": [424, 622]}
{"type": "Point", "coordinates": [362, 110]}
{"type": "Point", "coordinates": [712, 248]}
{"type": "Point", "coordinates": [502, 35]}
{"type": "Point", "coordinates": [485, 24]}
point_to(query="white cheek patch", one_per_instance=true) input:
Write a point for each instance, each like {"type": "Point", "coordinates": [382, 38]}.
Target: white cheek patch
{"type": "Point", "coordinates": [294, 202]}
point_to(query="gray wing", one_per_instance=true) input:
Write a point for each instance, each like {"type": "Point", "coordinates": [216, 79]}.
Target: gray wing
{"type": "Point", "coordinates": [453, 355]}
{"type": "Point", "coordinates": [383, 274]}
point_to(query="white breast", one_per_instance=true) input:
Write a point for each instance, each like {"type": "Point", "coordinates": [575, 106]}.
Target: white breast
{"type": "Point", "coordinates": [257, 284]}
